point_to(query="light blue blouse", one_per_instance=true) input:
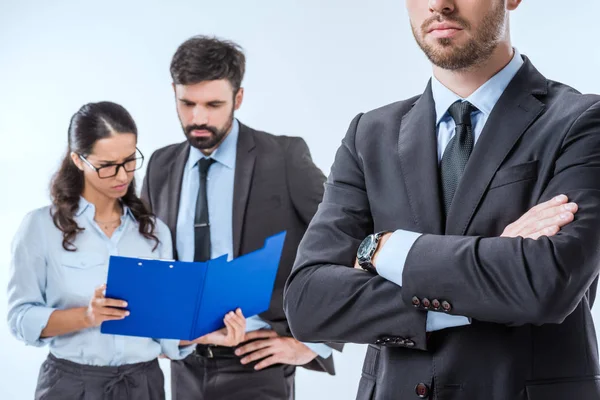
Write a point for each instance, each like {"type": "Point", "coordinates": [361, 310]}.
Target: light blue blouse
{"type": "Point", "coordinates": [45, 277]}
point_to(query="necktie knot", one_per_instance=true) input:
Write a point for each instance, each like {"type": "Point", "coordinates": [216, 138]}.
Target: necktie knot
{"type": "Point", "coordinates": [204, 164]}
{"type": "Point", "coordinates": [460, 112]}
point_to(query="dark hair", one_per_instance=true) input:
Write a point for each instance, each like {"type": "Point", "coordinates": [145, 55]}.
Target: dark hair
{"type": "Point", "coordinates": [203, 58]}
{"type": "Point", "coordinates": [93, 121]}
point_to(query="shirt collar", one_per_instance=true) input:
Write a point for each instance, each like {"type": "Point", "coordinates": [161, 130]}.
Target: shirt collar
{"type": "Point", "coordinates": [224, 154]}
{"type": "Point", "coordinates": [484, 98]}
{"type": "Point", "coordinates": [86, 206]}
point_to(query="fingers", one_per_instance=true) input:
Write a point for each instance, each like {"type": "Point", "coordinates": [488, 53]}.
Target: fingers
{"type": "Point", "coordinates": [256, 345]}
{"type": "Point", "coordinates": [518, 226]}
{"type": "Point", "coordinates": [110, 318]}
{"type": "Point", "coordinates": [260, 334]}
{"type": "Point", "coordinates": [236, 319]}
{"type": "Point", "coordinates": [549, 225]}
{"type": "Point", "coordinates": [104, 302]}
{"type": "Point", "coordinates": [258, 355]}
{"type": "Point", "coordinates": [267, 362]}
{"type": "Point", "coordinates": [113, 312]}
{"type": "Point", "coordinates": [558, 216]}
{"type": "Point", "coordinates": [235, 331]}
{"type": "Point", "coordinates": [99, 291]}
{"type": "Point", "coordinates": [545, 219]}
{"type": "Point", "coordinates": [553, 202]}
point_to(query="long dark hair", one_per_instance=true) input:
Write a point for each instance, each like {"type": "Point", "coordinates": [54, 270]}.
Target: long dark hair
{"type": "Point", "coordinates": [93, 121]}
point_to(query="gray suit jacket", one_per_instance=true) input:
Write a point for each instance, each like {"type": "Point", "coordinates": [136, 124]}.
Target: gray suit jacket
{"type": "Point", "coordinates": [277, 187]}
{"type": "Point", "coordinates": [532, 335]}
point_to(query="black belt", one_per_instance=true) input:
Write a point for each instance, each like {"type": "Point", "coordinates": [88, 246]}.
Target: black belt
{"type": "Point", "coordinates": [213, 351]}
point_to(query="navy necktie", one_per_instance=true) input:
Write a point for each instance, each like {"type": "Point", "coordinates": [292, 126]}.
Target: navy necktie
{"type": "Point", "coordinates": [201, 222]}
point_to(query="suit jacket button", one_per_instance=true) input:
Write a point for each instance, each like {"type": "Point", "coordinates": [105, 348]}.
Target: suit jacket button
{"type": "Point", "coordinates": [416, 302]}
{"type": "Point", "coordinates": [378, 341]}
{"type": "Point", "coordinates": [409, 343]}
{"type": "Point", "coordinates": [422, 390]}
{"type": "Point", "coordinates": [435, 303]}
{"type": "Point", "coordinates": [446, 306]}
{"type": "Point", "coordinates": [387, 340]}
{"type": "Point", "coordinates": [426, 303]}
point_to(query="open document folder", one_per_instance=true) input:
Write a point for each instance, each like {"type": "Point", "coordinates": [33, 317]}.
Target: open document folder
{"type": "Point", "coordinates": [185, 300]}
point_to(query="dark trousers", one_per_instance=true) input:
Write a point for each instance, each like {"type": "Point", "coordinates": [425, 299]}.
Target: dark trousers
{"type": "Point", "coordinates": [62, 380]}
{"type": "Point", "coordinates": [224, 378]}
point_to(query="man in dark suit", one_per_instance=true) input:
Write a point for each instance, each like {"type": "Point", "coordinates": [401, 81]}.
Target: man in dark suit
{"type": "Point", "coordinates": [455, 300]}
{"type": "Point", "coordinates": [224, 191]}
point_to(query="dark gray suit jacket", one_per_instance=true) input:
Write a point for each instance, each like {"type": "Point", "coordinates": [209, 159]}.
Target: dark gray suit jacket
{"type": "Point", "coordinates": [277, 187]}
{"type": "Point", "coordinates": [532, 335]}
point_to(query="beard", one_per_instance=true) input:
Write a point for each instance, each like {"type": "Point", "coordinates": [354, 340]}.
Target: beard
{"type": "Point", "coordinates": [217, 135]}
{"type": "Point", "coordinates": [448, 55]}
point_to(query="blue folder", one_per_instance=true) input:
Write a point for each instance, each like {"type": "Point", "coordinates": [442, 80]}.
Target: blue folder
{"type": "Point", "coordinates": [186, 300]}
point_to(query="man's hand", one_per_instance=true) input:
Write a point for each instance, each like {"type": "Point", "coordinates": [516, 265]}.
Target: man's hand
{"type": "Point", "coordinates": [230, 336]}
{"type": "Point", "coordinates": [272, 349]}
{"type": "Point", "coordinates": [545, 219]}
{"type": "Point", "coordinates": [380, 245]}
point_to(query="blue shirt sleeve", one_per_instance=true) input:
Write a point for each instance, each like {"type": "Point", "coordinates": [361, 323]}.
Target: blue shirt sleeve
{"type": "Point", "coordinates": [390, 265]}
{"type": "Point", "coordinates": [392, 257]}
{"type": "Point", "coordinates": [28, 313]}
{"type": "Point", "coordinates": [321, 349]}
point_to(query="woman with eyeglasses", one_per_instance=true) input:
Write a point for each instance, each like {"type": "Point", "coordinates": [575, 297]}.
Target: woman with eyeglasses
{"type": "Point", "coordinates": [60, 263]}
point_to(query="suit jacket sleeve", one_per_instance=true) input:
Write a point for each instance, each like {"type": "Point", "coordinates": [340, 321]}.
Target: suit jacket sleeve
{"type": "Point", "coordinates": [145, 193]}
{"type": "Point", "coordinates": [305, 183]}
{"type": "Point", "coordinates": [519, 281]}
{"type": "Point", "coordinates": [326, 299]}
{"type": "Point", "coordinates": [305, 180]}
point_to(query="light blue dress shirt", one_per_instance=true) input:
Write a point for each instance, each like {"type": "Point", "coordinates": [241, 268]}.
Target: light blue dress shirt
{"type": "Point", "coordinates": [220, 181]}
{"type": "Point", "coordinates": [44, 277]}
{"type": "Point", "coordinates": [391, 259]}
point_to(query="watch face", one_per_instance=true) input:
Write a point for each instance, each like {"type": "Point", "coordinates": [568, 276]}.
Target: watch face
{"type": "Point", "coordinates": [364, 250]}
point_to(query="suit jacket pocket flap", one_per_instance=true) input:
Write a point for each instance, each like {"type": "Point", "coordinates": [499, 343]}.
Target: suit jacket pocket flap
{"type": "Point", "coordinates": [580, 388]}
{"type": "Point", "coordinates": [515, 173]}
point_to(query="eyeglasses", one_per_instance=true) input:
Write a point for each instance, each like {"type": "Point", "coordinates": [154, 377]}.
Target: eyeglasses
{"type": "Point", "coordinates": [110, 170]}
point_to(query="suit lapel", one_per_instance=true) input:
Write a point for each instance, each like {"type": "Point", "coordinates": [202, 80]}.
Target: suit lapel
{"type": "Point", "coordinates": [174, 182]}
{"type": "Point", "coordinates": [244, 169]}
{"type": "Point", "coordinates": [514, 112]}
{"type": "Point", "coordinates": [417, 148]}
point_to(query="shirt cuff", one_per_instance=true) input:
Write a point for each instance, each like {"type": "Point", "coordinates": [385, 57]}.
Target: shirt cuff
{"type": "Point", "coordinates": [33, 322]}
{"type": "Point", "coordinates": [437, 321]}
{"type": "Point", "coordinates": [321, 349]}
{"type": "Point", "coordinates": [392, 257]}
{"type": "Point", "coordinates": [171, 349]}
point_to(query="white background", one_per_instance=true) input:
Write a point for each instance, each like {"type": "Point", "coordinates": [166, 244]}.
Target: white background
{"type": "Point", "coordinates": [312, 66]}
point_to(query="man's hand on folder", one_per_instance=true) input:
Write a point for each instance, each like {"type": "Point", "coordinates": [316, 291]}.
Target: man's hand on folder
{"type": "Point", "coordinates": [101, 309]}
{"type": "Point", "coordinates": [230, 336]}
{"type": "Point", "coordinates": [268, 346]}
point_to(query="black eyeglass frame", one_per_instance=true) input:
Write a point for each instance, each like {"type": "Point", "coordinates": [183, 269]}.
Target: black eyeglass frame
{"type": "Point", "coordinates": [139, 163]}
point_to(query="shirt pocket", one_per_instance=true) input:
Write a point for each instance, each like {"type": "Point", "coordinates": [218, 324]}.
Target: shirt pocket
{"type": "Point", "coordinates": [83, 260]}
{"type": "Point", "coordinates": [81, 273]}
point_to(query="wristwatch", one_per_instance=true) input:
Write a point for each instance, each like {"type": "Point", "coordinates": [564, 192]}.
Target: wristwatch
{"type": "Point", "coordinates": [367, 250]}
